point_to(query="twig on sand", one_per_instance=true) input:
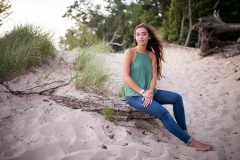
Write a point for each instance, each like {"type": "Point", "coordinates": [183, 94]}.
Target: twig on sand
{"type": "Point", "coordinates": [28, 90]}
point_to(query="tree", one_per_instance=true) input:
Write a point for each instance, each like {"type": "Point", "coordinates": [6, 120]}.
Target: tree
{"type": "Point", "coordinates": [173, 18]}
{"type": "Point", "coordinates": [79, 37]}
{"type": "Point", "coordinates": [190, 23]}
{"type": "Point", "coordinates": [115, 27]}
{"type": "Point", "coordinates": [4, 10]}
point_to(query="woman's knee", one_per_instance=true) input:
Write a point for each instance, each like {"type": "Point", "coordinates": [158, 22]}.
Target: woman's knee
{"type": "Point", "coordinates": [178, 97]}
{"type": "Point", "coordinates": [157, 110]}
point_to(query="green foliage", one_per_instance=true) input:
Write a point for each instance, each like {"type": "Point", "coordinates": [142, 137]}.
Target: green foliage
{"type": "Point", "coordinates": [171, 25]}
{"type": "Point", "coordinates": [98, 47]}
{"type": "Point", "coordinates": [120, 20]}
{"type": "Point", "coordinates": [92, 73]}
{"type": "Point", "coordinates": [80, 37]}
{"type": "Point", "coordinates": [181, 40]}
{"type": "Point", "coordinates": [108, 114]}
{"type": "Point", "coordinates": [121, 17]}
{"type": "Point", "coordinates": [5, 6]}
{"type": "Point", "coordinates": [23, 47]}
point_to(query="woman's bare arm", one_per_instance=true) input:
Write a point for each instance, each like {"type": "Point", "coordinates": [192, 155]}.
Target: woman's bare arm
{"type": "Point", "coordinates": [128, 57]}
{"type": "Point", "coordinates": [154, 71]}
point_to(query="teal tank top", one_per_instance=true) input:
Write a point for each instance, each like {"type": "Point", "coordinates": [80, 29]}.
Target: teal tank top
{"type": "Point", "coordinates": [141, 73]}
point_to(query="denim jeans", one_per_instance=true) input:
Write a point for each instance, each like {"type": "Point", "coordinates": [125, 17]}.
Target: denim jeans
{"type": "Point", "coordinates": [161, 97]}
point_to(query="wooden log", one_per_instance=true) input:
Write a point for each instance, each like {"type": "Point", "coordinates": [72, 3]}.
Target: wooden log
{"type": "Point", "coordinates": [97, 103]}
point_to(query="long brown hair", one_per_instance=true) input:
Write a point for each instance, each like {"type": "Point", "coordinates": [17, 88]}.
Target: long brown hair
{"type": "Point", "coordinates": [155, 45]}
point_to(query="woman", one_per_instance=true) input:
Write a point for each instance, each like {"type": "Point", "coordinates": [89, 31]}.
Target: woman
{"type": "Point", "coordinates": [140, 71]}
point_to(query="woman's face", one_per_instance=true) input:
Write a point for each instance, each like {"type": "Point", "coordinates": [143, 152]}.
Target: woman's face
{"type": "Point", "coordinates": [141, 36]}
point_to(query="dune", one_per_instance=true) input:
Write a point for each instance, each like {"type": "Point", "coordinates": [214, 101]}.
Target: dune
{"type": "Point", "coordinates": [34, 127]}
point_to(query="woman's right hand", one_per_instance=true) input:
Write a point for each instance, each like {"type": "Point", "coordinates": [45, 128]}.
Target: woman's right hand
{"type": "Point", "coordinates": [148, 93]}
{"type": "Point", "coordinates": [147, 97]}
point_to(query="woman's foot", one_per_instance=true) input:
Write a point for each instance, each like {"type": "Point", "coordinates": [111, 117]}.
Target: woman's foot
{"type": "Point", "coordinates": [200, 146]}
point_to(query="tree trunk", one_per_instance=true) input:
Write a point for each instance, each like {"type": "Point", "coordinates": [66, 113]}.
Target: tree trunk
{"type": "Point", "coordinates": [190, 23]}
{"type": "Point", "coordinates": [182, 24]}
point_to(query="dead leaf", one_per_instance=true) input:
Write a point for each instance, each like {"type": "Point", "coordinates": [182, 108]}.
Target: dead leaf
{"type": "Point", "coordinates": [102, 146]}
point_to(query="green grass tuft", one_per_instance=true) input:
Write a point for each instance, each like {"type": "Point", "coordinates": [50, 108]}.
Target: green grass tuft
{"type": "Point", "coordinates": [108, 114]}
{"type": "Point", "coordinates": [91, 74]}
{"type": "Point", "coordinates": [121, 90]}
{"type": "Point", "coordinates": [23, 47]}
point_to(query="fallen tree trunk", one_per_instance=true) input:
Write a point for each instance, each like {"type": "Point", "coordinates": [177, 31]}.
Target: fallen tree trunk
{"type": "Point", "coordinates": [209, 28]}
{"type": "Point", "coordinates": [97, 103]}
{"type": "Point", "coordinates": [90, 103]}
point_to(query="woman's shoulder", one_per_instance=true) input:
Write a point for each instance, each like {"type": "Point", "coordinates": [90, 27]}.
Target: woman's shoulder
{"type": "Point", "coordinates": [151, 54]}
{"type": "Point", "coordinates": [130, 50]}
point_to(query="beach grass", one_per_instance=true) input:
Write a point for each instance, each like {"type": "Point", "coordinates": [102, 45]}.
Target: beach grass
{"type": "Point", "coordinates": [108, 114]}
{"type": "Point", "coordinates": [91, 72]}
{"type": "Point", "coordinates": [24, 47]}
{"type": "Point", "coordinates": [121, 91]}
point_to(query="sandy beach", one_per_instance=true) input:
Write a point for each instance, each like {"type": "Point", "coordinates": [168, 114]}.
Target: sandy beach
{"type": "Point", "coordinates": [34, 127]}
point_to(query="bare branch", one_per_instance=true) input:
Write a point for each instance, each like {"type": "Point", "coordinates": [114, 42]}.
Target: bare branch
{"type": "Point", "coordinates": [45, 91]}
{"type": "Point", "coordinates": [115, 35]}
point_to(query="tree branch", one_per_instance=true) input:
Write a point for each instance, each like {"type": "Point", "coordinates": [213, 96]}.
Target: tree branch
{"type": "Point", "coordinates": [115, 35]}
{"type": "Point", "coordinates": [45, 91]}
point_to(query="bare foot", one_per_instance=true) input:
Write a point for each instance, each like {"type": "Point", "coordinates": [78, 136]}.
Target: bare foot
{"type": "Point", "coordinates": [200, 146]}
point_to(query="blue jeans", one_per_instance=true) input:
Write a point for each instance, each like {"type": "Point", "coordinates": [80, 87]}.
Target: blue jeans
{"type": "Point", "coordinates": [178, 127]}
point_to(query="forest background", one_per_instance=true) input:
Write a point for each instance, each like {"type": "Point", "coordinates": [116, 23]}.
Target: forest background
{"type": "Point", "coordinates": [114, 23]}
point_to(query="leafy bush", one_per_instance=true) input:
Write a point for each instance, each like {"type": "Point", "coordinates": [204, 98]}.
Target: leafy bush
{"type": "Point", "coordinates": [25, 46]}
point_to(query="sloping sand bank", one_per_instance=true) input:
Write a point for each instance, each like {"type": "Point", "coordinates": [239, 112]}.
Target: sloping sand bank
{"type": "Point", "coordinates": [32, 127]}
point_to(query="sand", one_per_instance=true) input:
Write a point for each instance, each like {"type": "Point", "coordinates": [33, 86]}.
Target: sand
{"type": "Point", "coordinates": [34, 127]}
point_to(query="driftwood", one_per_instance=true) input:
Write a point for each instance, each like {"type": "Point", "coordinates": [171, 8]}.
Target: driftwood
{"type": "Point", "coordinates": [90, 103]}
{"type": "Point", "coordinates": [29, 91]}
{"type": "Point", "coordinates": [209, 28]}
{"type": "Point", "coordinates": [97, 103]}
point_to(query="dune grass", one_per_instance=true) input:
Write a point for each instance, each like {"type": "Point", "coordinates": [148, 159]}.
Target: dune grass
{"type": "Point", "coordinates": [23, 47]}
{"type": "Point", "coordinates": [121, 90]}
{"type": "Point", "coordinates": [92, 73]}
{"type": "Point", "coordinates": [108, 114]}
